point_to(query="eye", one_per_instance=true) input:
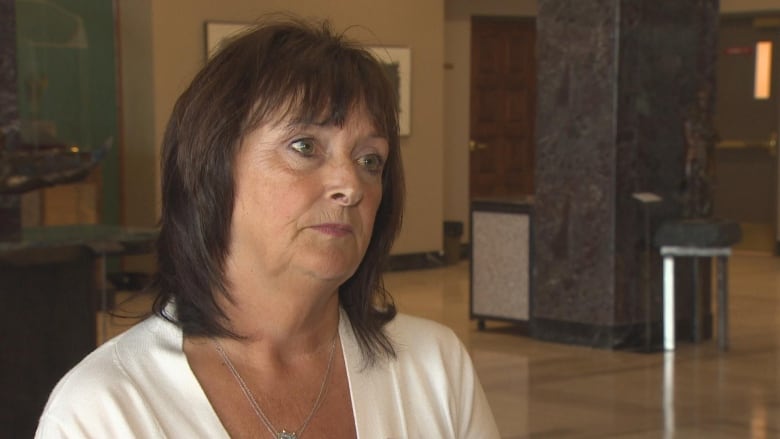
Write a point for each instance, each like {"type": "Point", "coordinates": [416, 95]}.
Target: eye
{"type": "Point", "coordinates": [304, 147]}
{"type": "Point", "coordinates": [372, 163]}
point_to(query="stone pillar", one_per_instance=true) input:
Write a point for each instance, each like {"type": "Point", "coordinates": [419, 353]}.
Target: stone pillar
{"type": "Point", "coordinates": [616, 78]}
{"type": "Point", "coordinates": [10, 210]}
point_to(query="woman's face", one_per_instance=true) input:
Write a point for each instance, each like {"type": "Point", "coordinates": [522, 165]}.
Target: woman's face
{"type": "Point", "coordinates": [306, 198]}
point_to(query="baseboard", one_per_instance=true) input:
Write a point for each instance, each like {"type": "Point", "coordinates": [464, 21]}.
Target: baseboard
{"type": "Point", "coordinates": [424, 260]}
{"type": "Point", "coordinates": [415, 261]}
{"type": "Point", "coordinates": [631, 337]}
{"type": "Point", "coordinates": [465, 251]}
{"type": "Point", "coordinates": [582, 334]}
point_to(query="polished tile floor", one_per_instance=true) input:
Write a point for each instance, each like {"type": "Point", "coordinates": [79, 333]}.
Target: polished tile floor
{"type": "Point", "coordinates": [547, 390]}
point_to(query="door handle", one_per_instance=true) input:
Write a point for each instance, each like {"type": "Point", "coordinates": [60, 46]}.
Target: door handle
{"type": "Point", "coordinates": [474, 145]}
{"type": "Point", "coordinates": [770, 144]}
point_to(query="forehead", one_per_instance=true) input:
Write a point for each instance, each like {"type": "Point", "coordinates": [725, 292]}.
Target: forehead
{"type": "Point", "coordinates": [292, 116]}
{"type": "Point", "coordinates": [284, 127]}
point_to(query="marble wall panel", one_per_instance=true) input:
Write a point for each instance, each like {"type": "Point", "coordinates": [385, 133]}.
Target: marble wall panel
{"type": "Point", "coordinates": [575, 162]}
{"type": "Point", "coordinates": [615, 80]}
{"type": "Point", "coordinates": [667, 54]}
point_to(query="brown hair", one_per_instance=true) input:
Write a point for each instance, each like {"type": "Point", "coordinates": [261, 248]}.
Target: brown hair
{"type": "Point", "coordinates": [282, 67]}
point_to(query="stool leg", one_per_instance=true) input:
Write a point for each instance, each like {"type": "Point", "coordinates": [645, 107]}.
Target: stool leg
{"type": "Point", "coordinates": [723, 303]}
{"type": "Point", "coordinates": [668, 303]}
{"type": "Point", "coordinates": [696, 302]}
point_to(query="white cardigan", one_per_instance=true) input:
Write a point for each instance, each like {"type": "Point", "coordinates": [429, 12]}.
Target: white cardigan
{"type": "Point", "coordinates": [139, 385]}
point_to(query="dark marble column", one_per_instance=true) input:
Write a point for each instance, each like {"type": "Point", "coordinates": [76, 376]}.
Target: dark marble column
{"type": "Point", "coordinates": [10, 212]}
{"type": "Point", "coordinates": [616, 79]}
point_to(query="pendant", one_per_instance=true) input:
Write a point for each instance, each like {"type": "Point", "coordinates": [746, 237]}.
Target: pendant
{"type": "Point", "coordinates": [284, 434]}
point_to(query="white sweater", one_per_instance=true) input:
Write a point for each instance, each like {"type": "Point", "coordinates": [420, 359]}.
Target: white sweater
{"type": "Point", "coordinates": [139, 385]}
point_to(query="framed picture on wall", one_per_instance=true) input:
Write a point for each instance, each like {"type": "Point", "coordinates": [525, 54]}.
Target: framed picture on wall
{"type": "Point", "coordinates": [217, 32]}
{"type": "Point", "coordinates": [398, 62]}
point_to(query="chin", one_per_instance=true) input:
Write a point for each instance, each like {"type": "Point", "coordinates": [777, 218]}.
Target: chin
{"type": "Point", "coordinates": [335, 269]}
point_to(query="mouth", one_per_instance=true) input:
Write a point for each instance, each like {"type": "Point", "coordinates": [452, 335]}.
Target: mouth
{"type": "Point", "coordinates": [333, 229]}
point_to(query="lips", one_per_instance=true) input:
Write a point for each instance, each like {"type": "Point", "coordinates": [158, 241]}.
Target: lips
{"type": "Point", "coordinates": [334, 229]}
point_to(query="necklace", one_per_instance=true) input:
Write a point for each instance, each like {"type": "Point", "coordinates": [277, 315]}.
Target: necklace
{"type": "Point", "coordinates": [283, 434]}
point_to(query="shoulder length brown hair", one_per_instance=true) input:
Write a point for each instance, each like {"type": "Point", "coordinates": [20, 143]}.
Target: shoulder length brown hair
{"type": "Point", "coordinates": [281, 67]}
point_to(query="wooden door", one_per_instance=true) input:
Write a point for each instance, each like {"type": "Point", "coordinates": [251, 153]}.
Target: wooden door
{"type": "Point", "coordinates": [745, 186]}
{"type": "Point", "coordinates": [503, 100]}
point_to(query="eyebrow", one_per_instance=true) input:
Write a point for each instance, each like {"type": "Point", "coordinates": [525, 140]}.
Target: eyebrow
{"type": "Point", "coordinates": [297, 124]}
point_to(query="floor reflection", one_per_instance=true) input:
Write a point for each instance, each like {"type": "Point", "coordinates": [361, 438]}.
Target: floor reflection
{"type": "Point", "coordinates": [546, 390]}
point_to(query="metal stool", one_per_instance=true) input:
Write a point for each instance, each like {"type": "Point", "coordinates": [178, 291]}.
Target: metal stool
{"type": "Point", "coordinates": [710, 238]}
{"type": "Point", "coordinates": [722, 255]}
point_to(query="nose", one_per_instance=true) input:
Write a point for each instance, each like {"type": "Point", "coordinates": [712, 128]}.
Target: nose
{"type": "Point", "coordinates": [344, 184]}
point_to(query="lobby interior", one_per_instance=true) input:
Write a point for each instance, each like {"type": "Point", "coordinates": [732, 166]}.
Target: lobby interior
{"type": "Point", "coordinates": [569, 379]}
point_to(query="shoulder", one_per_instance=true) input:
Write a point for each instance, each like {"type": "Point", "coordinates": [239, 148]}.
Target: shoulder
{"type": "Point", "coordinates": [101, 370]}
{"type": "Point", "coordinates": [416, 333]}
{"type": "Point", "coordinates": [96, 368]}
{"type": "Point", "coordinates": [105, 386]}
{"type": "Point", "coordinates": [427, 346]}
{"type": "Point", "coordinates": [433, 375]}
{"type": "Point", "coordinates": [417, 343]}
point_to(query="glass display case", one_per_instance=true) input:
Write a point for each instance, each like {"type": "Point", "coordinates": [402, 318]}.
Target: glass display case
{"type": "Point", "coordinates": [58, 165]}
{"type": "Point", "coordinates": [67, 112]}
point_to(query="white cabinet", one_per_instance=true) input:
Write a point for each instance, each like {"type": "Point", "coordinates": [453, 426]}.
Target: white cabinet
{"type": "Point", "coordinates": [500, 261]}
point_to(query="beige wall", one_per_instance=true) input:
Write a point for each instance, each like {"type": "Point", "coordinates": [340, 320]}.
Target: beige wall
{"type": "Point", "coordinates": [456, 120]}
{"type": "Point", "coordinates": [138, 178]}
{"type": "Point", "coordinates": [138, 153]}
{"type": "Point", "coordinates": [175, 51]}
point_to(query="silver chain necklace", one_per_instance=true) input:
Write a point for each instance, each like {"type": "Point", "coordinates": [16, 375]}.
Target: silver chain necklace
{"type": "Point", "coordinates": [276, 434]}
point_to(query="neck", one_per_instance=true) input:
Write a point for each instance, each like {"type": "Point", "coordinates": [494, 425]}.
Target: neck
{"type": "Point", "coordinates": [285, 319]}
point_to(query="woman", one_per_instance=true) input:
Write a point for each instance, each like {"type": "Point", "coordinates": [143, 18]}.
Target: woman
{"type": "Point", "coordinates": [282, 194]}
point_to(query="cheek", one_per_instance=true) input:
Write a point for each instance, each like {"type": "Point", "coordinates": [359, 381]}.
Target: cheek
{"type": "Point", "coordinates": [371, 201]}
{"type": "Point", "coordinates": [373, 193]}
